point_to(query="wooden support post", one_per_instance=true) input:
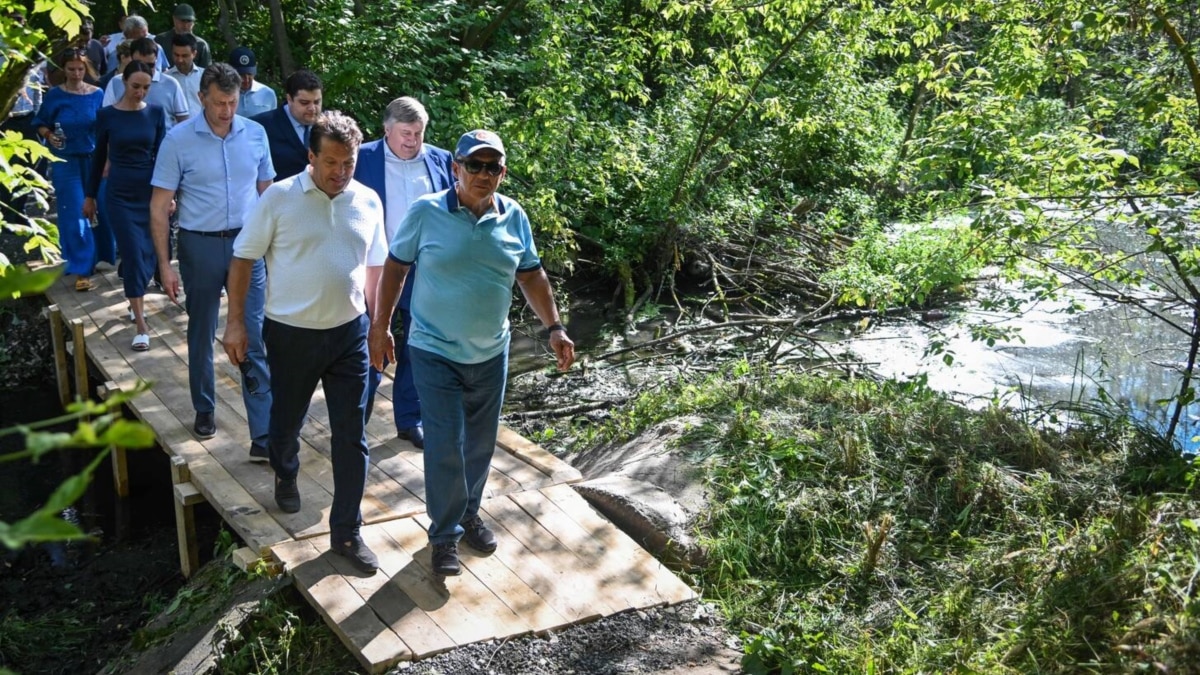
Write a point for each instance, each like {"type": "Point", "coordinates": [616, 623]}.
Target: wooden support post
{"type": "Point", "coordinates": [119, 462]}
{"type": "Point", "coordinates": [81, 365]}
{"type": "Point", "coordinates": [59, 337]}
{"type": "Point", "coordinates": [186, 496]}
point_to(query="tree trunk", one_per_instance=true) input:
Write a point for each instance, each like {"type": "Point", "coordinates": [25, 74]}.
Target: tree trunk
{"type": "Point", "coordinates": [279, 31]}
{"type": "Point", "coordinates": [225, 18]}
{"type": "Point", "coordinates": [478, 38]}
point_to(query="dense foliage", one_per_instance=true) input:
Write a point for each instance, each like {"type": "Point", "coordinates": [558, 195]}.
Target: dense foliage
{"type": "Point", "coordinates": [757, 151]}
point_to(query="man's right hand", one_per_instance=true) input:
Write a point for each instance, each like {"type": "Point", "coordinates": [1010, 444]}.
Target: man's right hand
{"type": "Point", "coordinates": [170, 281]}
{"type": "Point", "coordinates": [381, 344]}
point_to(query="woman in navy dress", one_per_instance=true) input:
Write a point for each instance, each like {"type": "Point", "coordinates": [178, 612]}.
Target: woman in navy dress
{"type": "Point", "coordinates": [72, 106]}
{"type": "Point", "coordinates": [128, 134]}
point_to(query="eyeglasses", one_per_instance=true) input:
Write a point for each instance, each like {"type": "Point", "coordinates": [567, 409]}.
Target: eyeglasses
{"type": "Point", "coordinates": [474, 166]}
{"type": "Point", "coordinates": [250, 380]}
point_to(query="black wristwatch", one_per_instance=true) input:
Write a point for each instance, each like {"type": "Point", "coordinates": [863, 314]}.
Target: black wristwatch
{"type": "Point", "coordinates": [556, 326]}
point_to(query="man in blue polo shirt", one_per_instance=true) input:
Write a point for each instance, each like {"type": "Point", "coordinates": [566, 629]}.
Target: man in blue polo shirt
{"type": "Point", "coordinates": [471, 244]}
{"type": "Point", "coordinates": [220, 163]}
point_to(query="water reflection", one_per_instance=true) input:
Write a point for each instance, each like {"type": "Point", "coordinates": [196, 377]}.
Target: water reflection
{"type": "Point", "coordinates": [1134, 358]}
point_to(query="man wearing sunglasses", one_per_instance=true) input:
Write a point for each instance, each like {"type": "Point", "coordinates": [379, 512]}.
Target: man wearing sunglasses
{"type": "Point", "coordinates": [471, 244]}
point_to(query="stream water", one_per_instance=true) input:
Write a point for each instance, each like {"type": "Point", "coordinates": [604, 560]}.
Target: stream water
{"type": "Point", "coordinates": [1134, 359]}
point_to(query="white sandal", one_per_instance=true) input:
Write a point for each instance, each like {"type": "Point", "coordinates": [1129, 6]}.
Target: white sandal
{"type": "Point", "coordinates": [141, 342]}
{"type": "Point", "coordinates": [132, 316]}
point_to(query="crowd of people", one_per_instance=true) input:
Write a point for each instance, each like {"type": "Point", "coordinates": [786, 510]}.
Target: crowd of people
{"type": "Point", "coordinates": [317, 238]}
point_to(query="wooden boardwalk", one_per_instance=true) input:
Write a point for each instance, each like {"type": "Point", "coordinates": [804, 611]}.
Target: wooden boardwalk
{"type": "Point", "coordinates": [558, 563]}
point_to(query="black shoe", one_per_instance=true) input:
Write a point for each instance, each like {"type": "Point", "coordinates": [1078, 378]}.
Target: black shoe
{"type": "Point", "coordinates": [477, 535]}
{"type": "Point", "coordinates": [414, 435]}
{"type": "Point", "coordinates": [287, 495]}
{"type": "Point", "coordinates": [445, 560]}
{"type": "Point", "coordinates": [355, 550]}
{"type": "Point", "coordinates": [205, 426]}
{"type": "Point", "coordinates": [258, 453]}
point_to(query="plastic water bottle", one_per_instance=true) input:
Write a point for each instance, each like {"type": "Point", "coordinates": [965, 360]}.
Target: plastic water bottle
{"type": "Point", "coordinates": [58, 134]}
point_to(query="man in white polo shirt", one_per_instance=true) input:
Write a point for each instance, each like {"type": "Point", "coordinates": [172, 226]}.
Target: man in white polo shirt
{"type": "Point", "coordinates": [321, 233]}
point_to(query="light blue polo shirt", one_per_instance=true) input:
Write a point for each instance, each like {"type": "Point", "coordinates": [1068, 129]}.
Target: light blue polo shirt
{"type": "Point", "coordinates": [468, 266]}
{"type": "Point", "coordinates": [217, 177]}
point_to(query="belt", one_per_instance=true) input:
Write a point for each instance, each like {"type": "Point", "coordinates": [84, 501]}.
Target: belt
{"type": "Point", "coordinates": [221, 234]}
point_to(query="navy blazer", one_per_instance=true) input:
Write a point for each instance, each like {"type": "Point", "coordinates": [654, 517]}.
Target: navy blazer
{"type": "Point", "coordinates": [288, 153]}
{"type": "Point", "coordinates": [370, 171]}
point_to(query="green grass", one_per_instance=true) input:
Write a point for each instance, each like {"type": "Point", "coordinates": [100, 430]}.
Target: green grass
{"type": "Point", "coordinates": [864, 527]}
{"type": "Point", "coordinates": [284, 636]}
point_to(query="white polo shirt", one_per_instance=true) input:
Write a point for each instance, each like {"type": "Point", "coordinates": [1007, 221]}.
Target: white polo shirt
{"type": "Point", "coordinates": [317, 250]}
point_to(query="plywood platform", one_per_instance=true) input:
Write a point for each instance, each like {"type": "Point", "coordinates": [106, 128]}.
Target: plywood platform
{"type": "Point", "coordinates": [558, 562]}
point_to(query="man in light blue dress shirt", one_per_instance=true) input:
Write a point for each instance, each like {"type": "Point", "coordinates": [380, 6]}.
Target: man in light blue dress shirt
{"type": "Point", "coordinates": [220, 163]}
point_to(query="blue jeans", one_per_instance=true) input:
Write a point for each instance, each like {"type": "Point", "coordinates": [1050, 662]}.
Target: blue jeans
{"type": "Point", "coordinates": [204, 265]}
{"type": "Point", "coordinates": [461, 405]}
{"type": "Point", "coordinates": [406, 402]}
{"type": "Point", "coordinates": [338, 358]}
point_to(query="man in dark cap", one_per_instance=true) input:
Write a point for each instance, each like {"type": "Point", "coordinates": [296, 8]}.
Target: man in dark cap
{"type": "Point", "coordinates": [185, 20]}
{"type": "Point", "coordinates": [255, 98]}
{"type": "Point", "coordinates": [472, 244]}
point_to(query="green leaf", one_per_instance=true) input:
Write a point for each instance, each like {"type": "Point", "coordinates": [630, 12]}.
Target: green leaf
{"type": "Point", "coordinates": [128, 434]}
{"type": "Point", "coordinates": [18, 281]}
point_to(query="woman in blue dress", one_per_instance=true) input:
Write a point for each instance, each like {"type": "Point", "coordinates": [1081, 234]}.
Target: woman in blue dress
{"type": "Point", "coordinates": [72, 106]}
{"type": "Point", "coordinates": [128, 134]}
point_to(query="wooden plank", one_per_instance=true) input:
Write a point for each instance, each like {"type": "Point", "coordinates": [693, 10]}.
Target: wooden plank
{"type": "Point", "coordinates": [235, 504]}
{"type": "Point", "coordinates": [376, 645]}
{"type": "Point", "coordinates": [507, 586]}
{"type": "Point", "coordinates": [81, 364]}
{"type": "Point", "coordinates": [418, 630]}
{"type": "Point", "coordinates": [537, 456]}
{"type": "Point", "coordinates": [188, 494]}
{"type": "Point", "coordinates": [548, 583]}
{"type": "Point", "coordinates": [514, 474]}
{"type": "Point", "coordinates": [120, 463]}
{"type": "Point", "coordinates": [230, 448]}
{"type": "Point", "coordinates": [58, 339]}
{"type": "Point", "coordinates": [185, 532]}
{"type": "Point", "coordinates": [618, 545]}
{"type": "Point", "coordinates": [179, 470]}
{"type": "Point", "coordinates": [430, 592]}
{"type": "Point", "coordinates": [566, 572]}
{"type": "Point", "coordinates": [609, 565]}
{"type": "Point", "coordinates": [413, 625]}
{"type": "Point", "coordinates": [486, 604]}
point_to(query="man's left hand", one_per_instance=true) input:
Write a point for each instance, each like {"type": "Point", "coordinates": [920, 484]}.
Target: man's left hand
{"type": "Point", "coordinates": [564, 349]}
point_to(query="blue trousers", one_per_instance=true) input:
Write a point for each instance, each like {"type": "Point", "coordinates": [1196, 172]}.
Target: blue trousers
{"type": "Point", "coordinates": [462, 417]}
{"type": "Point", "coordinates": [406, 401]}
{"type": "Point", "coordinates": [204, 265]}
{"type": "Point", "coordinates": [74, 231]}
{"type": "Point", "coordinates": [106, 239]}
{"type": "Point", "coordinates": [338, 359]}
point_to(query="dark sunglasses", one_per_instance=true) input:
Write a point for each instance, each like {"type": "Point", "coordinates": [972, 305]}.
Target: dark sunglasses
{"type": "Point", "coordinates": [251, 381]}
{"type": "Point", "coordinates": [474, 166]}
